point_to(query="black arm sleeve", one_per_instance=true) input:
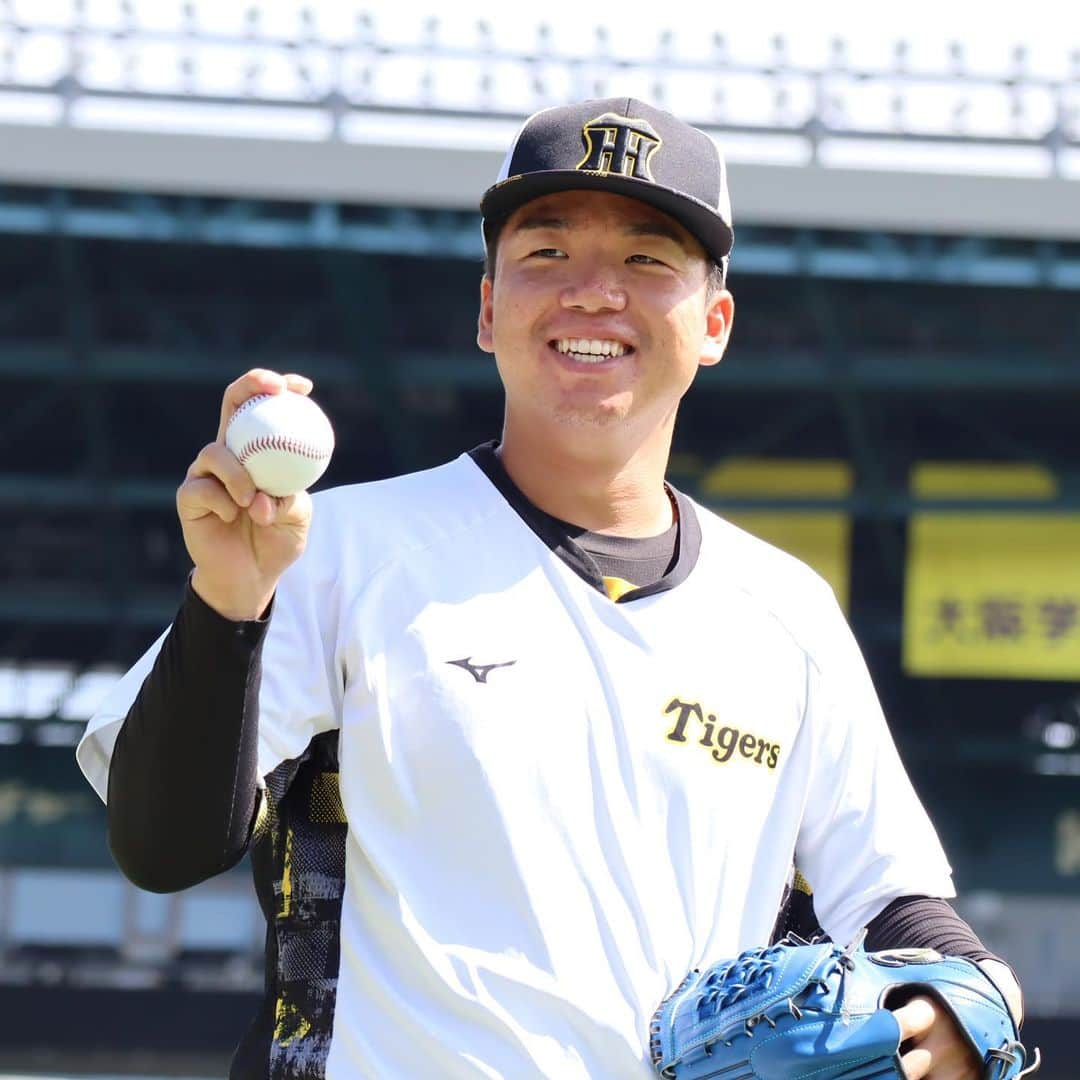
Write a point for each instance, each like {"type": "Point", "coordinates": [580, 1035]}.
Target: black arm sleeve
{"type": "Point", "coordinates": [183, 788]}
{"type": "Point", "coordinates": [925, 922]}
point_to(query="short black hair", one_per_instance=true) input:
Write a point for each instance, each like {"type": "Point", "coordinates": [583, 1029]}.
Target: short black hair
{"type": "Point", "coordinates": [493, 229]}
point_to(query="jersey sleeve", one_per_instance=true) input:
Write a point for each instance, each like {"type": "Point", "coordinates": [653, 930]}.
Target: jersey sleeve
{"type": "Point", "coordinates": [865, 838]}
{"type": "Point", "coordinates": [303, 680]}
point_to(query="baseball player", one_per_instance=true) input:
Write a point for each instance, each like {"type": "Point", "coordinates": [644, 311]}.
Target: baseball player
{"type": "Point", "coordinates": [517, 741]}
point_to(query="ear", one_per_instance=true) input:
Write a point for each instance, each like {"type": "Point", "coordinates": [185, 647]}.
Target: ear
{"type": "Point", "coordinates": [484, 335]}
{"type": "Point", "coordinates": [718, 321]}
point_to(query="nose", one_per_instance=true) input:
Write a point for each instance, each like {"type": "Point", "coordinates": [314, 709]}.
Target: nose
{"type": "Point", "coordinates": [596, 288]}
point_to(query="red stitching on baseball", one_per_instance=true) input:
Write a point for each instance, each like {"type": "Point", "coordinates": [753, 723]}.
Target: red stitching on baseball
{"type": "Point", "coordinates": [280, 442]}
{"type": "Point", "coordinates": [244, 406]}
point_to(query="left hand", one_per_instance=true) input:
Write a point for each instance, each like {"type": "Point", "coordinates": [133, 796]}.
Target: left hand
{"type": "Point", "coordinates": [939, 1050]}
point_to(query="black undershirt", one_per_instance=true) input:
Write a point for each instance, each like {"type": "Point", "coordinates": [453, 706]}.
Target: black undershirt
{"type": "Point", "coordinates": [183, 784]}
{"type": "Point", "coordinates": [639, 560]}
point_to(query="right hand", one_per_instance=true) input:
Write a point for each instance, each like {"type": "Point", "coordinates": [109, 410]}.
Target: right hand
{"type": "Point", "coordinates": [241, 540]}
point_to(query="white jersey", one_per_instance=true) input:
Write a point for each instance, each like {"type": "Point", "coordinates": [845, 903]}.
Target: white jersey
{"type": "Point", "coordinates": [557, 805]}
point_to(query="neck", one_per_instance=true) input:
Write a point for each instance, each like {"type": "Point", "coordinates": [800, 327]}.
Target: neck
{"type": "Point", "coordinates": [588, 483]}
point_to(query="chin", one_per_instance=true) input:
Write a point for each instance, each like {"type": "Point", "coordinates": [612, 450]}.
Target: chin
{"type": "Point", "coordinates": [592, 414]}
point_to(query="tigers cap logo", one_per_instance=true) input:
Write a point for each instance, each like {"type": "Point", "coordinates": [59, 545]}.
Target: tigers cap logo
{"type": "Point", "coordinates": [620, 145]}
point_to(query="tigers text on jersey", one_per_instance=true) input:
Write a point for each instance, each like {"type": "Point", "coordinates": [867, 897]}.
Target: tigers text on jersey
{"type": "Point", "coordinates": [555, 805]}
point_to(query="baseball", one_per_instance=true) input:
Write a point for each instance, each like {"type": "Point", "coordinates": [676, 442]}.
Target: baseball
{"type": "Point", "coordinates": [283, 440]}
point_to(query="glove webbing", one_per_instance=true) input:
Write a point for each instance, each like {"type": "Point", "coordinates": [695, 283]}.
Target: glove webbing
{"type": "Point", "coordinates": [749, 972]}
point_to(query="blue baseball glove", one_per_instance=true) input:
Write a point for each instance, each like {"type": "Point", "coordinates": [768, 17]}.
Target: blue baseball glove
{"type": "Point", "coordinates": [797, 1010]}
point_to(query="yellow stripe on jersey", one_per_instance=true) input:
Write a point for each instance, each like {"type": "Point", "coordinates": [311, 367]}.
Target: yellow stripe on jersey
{"type": "Point", "coordinates": [617, 587]}
{"type": "Point", "coordinates": [286, 877]}
{"type": "Point", "coordinates": [801, 884]}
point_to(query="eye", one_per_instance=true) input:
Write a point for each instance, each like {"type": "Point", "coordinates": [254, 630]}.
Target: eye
{"type": "Point", "coordinates": [548, 253]}
{"type": "Point", "coordinates": [645, 260]}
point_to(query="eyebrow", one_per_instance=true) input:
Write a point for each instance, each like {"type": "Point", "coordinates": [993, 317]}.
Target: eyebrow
{"type": "Point", "coordinates": [659, 229]}
{"type": "Point", "coordinates": [539, 221]}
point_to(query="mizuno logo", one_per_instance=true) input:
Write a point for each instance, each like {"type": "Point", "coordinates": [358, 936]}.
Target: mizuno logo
{"type": "Point", "coordinates": [480, 672]}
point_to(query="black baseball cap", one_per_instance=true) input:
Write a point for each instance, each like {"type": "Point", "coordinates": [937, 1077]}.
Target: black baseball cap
{"type": "Point", "coordinates": [624, 146]}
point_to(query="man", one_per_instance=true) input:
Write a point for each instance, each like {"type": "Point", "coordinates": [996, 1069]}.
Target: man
{"type": "Point", "coordinates": [518, 741]}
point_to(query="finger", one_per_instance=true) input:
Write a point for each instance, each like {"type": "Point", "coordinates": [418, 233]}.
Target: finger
{"type": "Point", "coordinates": [263, 509]}
{"type": "Point", "coordinates": [285, 511]}
{"type": "Point", "coordinates": [218, 461]}
{"type": "Point", "coordinates": [200, 496]}
{"type": "Point", "coordinates": [299, 384]}
{"type": "Point", "coordinates": [294, 509]}
{"type": "Point", "coordinates": [916, 1064]}
{"type": "Point", "coordinates": [255, 381]}
{"type": "Point", "coordinates": [916, 1018]}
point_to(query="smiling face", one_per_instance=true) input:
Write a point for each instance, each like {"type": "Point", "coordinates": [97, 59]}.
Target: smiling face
{"type": "Point", "coordinates": [599, 315]}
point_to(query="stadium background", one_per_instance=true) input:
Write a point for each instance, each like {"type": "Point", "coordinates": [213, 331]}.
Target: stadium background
{"type": "Point", "coordinates": [186, 192]}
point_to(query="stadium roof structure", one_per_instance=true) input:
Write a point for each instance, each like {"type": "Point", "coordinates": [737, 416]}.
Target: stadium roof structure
{"type": "Point", "coordinates": [352, 113]}
{"type": "Point", "coordinates": [452, 176]}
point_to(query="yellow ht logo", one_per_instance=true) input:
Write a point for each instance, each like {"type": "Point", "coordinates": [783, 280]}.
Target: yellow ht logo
{"type": "Point", "coordinates": [619, 145]}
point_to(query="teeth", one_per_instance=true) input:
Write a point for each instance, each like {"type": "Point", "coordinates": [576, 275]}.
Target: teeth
{"type": "Point", "coordinates": [590, 347]}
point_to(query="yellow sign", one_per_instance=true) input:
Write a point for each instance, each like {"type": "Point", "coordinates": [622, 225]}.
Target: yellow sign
{"type": "Point", "coordinates": [978, 480]}
{"type": "Point", "coordinates": [820, 538]}
{"type": "Point", "coordinates": [988, 594]}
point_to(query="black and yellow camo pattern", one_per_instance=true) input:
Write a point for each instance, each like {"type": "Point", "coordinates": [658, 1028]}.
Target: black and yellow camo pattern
{"type": "Point", "coordinates": [298, 861]}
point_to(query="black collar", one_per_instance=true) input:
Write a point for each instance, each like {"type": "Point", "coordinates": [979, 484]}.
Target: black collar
{"type": "Point", "coordinates": [560, 536]}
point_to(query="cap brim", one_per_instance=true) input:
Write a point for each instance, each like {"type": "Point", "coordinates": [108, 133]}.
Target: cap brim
{"type": "Point", "coordinates": [698, 218]}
